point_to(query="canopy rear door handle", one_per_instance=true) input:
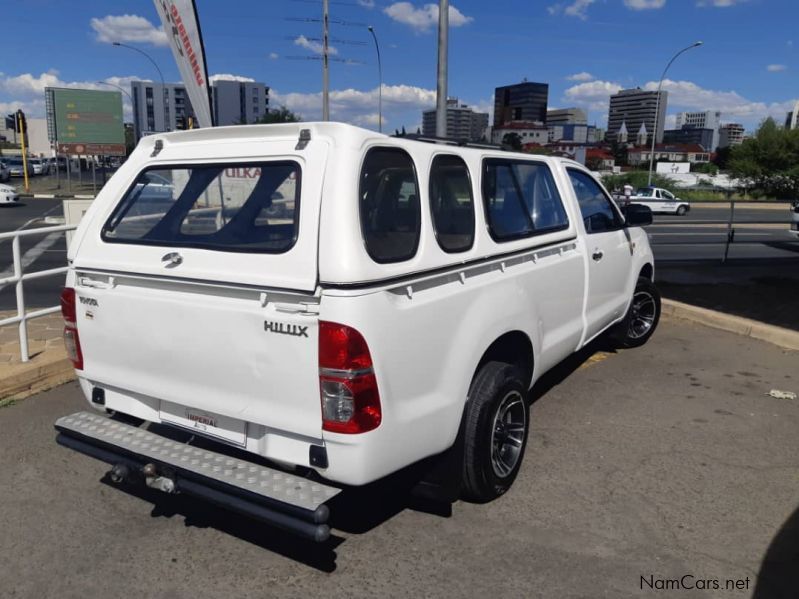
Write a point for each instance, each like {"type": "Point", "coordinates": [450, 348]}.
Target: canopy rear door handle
{"type": "Point", "coordinates": [94, 284]}
{"type": "Point", "coordinates": [597, 255]}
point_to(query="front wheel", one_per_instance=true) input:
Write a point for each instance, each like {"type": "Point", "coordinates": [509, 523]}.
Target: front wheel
{"type": "Point", "coordinates": [642, 316]}
{"type": "Point", "coordinates": [496, 421]}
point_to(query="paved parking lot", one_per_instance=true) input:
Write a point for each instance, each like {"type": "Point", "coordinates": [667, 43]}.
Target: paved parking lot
{"type": "Point", "coordinates": [644, 467]}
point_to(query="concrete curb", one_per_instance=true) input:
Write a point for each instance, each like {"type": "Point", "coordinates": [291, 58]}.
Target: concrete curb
{"type": "Point", "coordinates": [48, 370]}
{"type": "Point", "coordinates": [785, 338]}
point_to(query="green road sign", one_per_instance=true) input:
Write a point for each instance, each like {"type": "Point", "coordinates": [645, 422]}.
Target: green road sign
{"type": "Point", "coordinates": [88, 121]}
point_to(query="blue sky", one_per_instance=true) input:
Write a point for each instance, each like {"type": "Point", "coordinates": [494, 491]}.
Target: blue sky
{"type": "Point", "coordinates": [585, 50]}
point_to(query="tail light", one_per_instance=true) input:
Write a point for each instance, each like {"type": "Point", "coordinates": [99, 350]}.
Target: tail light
{"type": "Point", "coordinates": [347, 383]}
{"type": "Point", "coordinates": [71, 339]}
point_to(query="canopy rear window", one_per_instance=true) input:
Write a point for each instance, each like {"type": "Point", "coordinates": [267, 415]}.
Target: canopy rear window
{"type": "Point", "coordinates": [251, 207]}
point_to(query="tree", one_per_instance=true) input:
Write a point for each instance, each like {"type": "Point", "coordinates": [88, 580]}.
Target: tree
{"type": "Point", "coordinates": [279, 115]}
{"type": "Point", "coordinates": [619, 152]}
{"type": "Point", "coordinates": [512, 141]}
{"type": "Point", "coordinates": [706, 168]}
{"type": "Point", "coordinates": [769, 161]}
{"type": "Point", "coordinates": [722, 157]}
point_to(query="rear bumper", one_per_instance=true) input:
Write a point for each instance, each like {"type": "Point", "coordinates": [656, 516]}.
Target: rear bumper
{"type": "Point", "coordinates": [289, 502]}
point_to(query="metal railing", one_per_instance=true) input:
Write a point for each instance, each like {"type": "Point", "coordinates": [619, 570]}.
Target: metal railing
{"type": "Point", "coordinates": [19, 277]}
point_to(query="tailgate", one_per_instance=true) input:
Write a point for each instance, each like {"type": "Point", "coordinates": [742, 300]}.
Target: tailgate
{"type": "Point", "coordinates": [203, 350]}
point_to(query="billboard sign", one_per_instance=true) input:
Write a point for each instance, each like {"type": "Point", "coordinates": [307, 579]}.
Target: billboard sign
{"type": "Point", "coordinates": [86, 121]}
{"type": "Point", "coordinates": [673, 168]}
{"type": "Point", "coordinates": [182, 27]}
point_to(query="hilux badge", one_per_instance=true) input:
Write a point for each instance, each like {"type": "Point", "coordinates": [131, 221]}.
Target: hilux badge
{"type": "Point", "coordinates": [286, 329]}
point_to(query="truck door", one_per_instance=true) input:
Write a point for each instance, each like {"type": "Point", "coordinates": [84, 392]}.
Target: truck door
{"type": "Point", "coordinates": [609, 253]}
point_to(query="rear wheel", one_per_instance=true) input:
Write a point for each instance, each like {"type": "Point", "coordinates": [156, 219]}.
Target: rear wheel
{"type": "Point", "coordinates": [496, 422]}
{"type": "Point", "coordinates": [642, 316]}
{"type": "Point", "coordinates": [681, 210]}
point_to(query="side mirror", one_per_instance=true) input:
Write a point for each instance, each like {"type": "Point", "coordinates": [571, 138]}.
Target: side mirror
{"type": "Point", "coordinates": [636, 215]}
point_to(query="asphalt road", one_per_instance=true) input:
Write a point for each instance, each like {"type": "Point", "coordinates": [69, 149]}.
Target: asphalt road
{"type": "Point", "coordinates": [668, 461]}
{"type": "Point", "coordinates": [39, 252]}
{"type": "Point", "coordinates": [694, 237]}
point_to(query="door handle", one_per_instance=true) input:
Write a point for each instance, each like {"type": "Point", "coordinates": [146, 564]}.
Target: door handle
{"type": "Point", "coordinates": [597, 255]}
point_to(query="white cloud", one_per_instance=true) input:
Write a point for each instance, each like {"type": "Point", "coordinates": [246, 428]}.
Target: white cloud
{"type": "Point", "coordinates": [26, 91]}
{"type": "Point", "coordinates": [593, 95]}
{"type": "Point", "coordinates": [274, 55]}
{"type": "Point", "coordinates": [356, 106]}
{"type": "Point", "coordinates": [583, 76]}
{"type": "Point", "coordinates": [719, 3]}
{"type": "Point", "coordinates": [229, 77]}
{"type": "Point", "coordinates": [776, 68]}
{"type": "Point", "coordinates": [646, 4]}
{"type": "Point", "coordinates": [367, 3]}
{"type": "Point", "coordinates": [576, 8]}
{"type": "Point", "coordinates": [314, 46]}
{"type": "Point", "coordinates": [425, 17]}
{"type": "Point", "coordinates": [128, 28]}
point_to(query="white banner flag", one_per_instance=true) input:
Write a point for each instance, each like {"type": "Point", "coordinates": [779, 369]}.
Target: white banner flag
{"type": "Point", "coordinates": [182, 27]}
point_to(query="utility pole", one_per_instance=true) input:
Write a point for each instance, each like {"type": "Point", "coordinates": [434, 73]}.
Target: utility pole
{"type": "Point", "coordinates": [441, 88]}
{"type": "Point", "coordinates": [325, 61]}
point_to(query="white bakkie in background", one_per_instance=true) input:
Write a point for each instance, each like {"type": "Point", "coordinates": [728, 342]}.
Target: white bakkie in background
{"type": "Point", "coordinates": [399, 305]}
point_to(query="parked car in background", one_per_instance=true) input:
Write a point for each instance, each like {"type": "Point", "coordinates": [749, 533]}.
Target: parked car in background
{"type": "Point", "coordinates": [15, 165]}
{"type": "Point", "coordinates": [795, 218]}
{"type": "Point", "coordinates": [8, 195]}
{"type": "Point", "coordinates": [5, 172]}
{"type": "Point", "coordinates": [660, 200]}
{"type": "Point", "coordinates": [38, 165]}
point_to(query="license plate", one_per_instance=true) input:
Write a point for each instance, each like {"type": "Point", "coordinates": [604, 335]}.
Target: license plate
{"type": "Point", "coordinates": [205, 423]}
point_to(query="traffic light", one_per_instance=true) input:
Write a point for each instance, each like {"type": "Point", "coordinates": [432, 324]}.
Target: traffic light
{"type": "Point", "coordinates": [22, 122]}
{"type": "Point", "coordinates": [11, 122]}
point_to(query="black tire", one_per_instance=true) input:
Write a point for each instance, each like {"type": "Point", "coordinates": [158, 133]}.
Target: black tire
{"type": "Point", "coordinates": [496, 385]}
{"type": "Point", "coordinates": [681, 210]}
{"type": "Point", "coordinates": [642, 316]}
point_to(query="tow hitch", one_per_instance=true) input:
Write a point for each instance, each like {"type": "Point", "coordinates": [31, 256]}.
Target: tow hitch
{"type": "Point", "coordinates": [162, 482]}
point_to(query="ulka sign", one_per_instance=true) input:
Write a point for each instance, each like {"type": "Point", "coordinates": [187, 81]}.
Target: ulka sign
{"type": "Point", "coordinates": [182, 27]}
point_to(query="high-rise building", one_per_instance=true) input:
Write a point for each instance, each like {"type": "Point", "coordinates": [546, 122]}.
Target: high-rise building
{"type": "Point", "coordinates": [158, 107]}
{"type": "Point", "coordinates": [238, 102]}
{"type": "Point", "coordinates": [463, 122]}
{"type": "Point", "coordinates": [731, 134]}
{"type": "Point", "coordinates": [526, 101]}
{"type": "Point", "coordinates": [792, 120]}
{"type": "Point", "coordinates": [709, 119]}
{"type": "Point", "coordinates": [635, 107]}
{"type": "Point", "coordinates": [567, 116]}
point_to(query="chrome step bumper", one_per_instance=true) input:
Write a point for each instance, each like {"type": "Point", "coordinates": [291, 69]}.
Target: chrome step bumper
{"type": "Point", "coordinates": [284, 500]}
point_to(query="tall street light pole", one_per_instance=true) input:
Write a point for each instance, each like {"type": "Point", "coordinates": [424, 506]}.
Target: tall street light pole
{"type": "Point", "coordinates": [157, 68]}
{"type": "Point", "coordinates": [120, 88]}
{"type": "Point", "coordinates": [325, 61]}
{"type": "Point", "coordinates": [441, 87]}
{"type": "Point", "coordinates": [380, 81]}
{"type": "Point", "coordinates": [657, 105]}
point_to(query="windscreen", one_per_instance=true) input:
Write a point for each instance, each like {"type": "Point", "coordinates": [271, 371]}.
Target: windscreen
{"type": "Point", "coordinates": [230, 207]}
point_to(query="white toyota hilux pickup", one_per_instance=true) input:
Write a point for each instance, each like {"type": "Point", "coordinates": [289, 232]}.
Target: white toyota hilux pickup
{"type": "Point", "coordinates": [398, 306]}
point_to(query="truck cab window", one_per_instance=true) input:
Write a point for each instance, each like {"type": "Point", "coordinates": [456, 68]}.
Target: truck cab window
{"type": "Point", "coordinates": [598, 212]}
{"type": "Point", "coordinates": [521, 199]}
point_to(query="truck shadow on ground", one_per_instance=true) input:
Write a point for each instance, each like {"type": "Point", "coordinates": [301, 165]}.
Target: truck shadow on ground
{"type": "Point", "coordinates": [354, 511]}
{"type": "Point", "coordinates": [778, 577]}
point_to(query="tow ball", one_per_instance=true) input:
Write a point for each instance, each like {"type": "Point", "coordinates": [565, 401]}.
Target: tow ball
{"type": "Point", "coordinates": [122, 472]}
